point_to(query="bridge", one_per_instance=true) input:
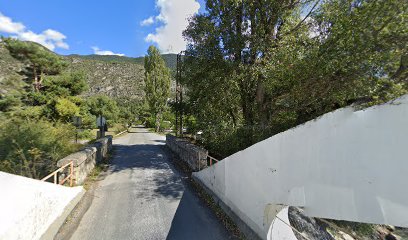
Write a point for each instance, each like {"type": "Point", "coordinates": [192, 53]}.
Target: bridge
{"type": "Point", "coordinates": [144, 197]}
{"type": "Point", "coordinates": [348, 165]}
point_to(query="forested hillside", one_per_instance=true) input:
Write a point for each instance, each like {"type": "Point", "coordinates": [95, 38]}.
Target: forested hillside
{"type": "Point", "coordinates": [41, 92]}
{"type": "Point", "coordinates": [170, 59]}
{"type": "Point", "coordinates": [113, 76]}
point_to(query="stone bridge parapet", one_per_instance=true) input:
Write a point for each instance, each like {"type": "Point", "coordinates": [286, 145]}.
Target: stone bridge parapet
{"type": "Point", "coordinates": [85, 159]}
{"type": "Point", "coordinates": [194, 156]}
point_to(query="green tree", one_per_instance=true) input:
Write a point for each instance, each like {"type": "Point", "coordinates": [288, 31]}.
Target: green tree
{"type": "Point", "coordinates": [262, 67]}
{"type": "Point", "coordinates": [41, 61]}
{"type": "Point", "coordinates": [13, 90]}
{"type": "Point", "coordinates": [66, 109]}
{"type": "Point", "coordinates": [58, 92]}
{"type": "Point", "coordinates": [101, 105]}
{"type": "Point", "coordinates": [226, 57]}
{"type": "Point", "coordinates": [65, 84]}
{"type": "Point", "coordinates": [157, 83]}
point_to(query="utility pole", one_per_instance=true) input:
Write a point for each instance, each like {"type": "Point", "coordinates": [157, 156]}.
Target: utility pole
{"type": "Point", "coordinates": [179, 97]}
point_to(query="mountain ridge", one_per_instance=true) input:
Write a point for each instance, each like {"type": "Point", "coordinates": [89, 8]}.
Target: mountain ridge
{"type": "Point", "coordinates": [110, 75]}
{"type": "Point", "coordinates": [169, 58]}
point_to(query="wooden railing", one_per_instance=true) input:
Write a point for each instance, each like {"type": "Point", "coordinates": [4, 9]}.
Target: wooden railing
{"type": "Point", "coordinates": [212, 160]}
{"type": "Point", "coordinates": [61, 169]}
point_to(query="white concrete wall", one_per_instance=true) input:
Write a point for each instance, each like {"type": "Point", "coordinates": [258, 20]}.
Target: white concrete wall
{"type": "Point", "coordinates": [349, 165]}
{"type": "Point", "coordinates": [28, 207]}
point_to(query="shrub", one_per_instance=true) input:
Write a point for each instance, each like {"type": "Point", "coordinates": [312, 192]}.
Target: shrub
{"type": "Point", "coordinates": [66, 109]}
{"type": "Point", "coordinates": [86, 134]}
{"type": "Point", "coordinates": [165, 125]}
{"type": "Point", "coordinates": [32, 148]}
{"type": "Point", "coordinates": [118, 127]}
{"type": "Point", "coordinates": [150, 122]}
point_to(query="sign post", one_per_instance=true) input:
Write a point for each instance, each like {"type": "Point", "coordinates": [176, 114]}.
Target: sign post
{"type": "Point", "coordinates": [100, 122]}
{"type": "Point", "coordinates": [77, 123]}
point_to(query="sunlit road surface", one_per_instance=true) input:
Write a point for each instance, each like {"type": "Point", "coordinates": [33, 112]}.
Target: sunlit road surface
{"type": "Point", "coordinates": [144, 197]}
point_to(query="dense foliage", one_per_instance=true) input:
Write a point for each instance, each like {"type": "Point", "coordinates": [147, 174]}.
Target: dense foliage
{"type": "Point", "coordinates": [157, 84]}
{"type": "Point", "coordinates": [31, 148]}
{"type": "Point", "coordinates": [256, 68]}
{"type": "Point", "coordinates": [37, 110]}
{"type": "Point", "coordinates": [41, 62]}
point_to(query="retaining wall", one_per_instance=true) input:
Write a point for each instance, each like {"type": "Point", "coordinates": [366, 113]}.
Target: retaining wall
{"type": "Point", "coordinates": [194, 156]}
{"type": "Point", "coordinates": [346, 165]}
{"type": "Point", "coordinates": [32, 209]}
{"type": "Point", "coordinates": [85, 159]}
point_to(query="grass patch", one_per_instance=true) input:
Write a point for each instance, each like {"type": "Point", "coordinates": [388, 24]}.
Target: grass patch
{"type": "Point", "coordinates": [93, 176]}
{"type": "Point", "coordinates": [360, 229]}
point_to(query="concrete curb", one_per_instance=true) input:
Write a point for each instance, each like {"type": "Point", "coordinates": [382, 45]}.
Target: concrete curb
{"type": "Point", "coordinates": [127, 130]}
{"type": "Point", "coordinates": [243, 227]}
{"type": "Point", "coordinates": [55, 226]}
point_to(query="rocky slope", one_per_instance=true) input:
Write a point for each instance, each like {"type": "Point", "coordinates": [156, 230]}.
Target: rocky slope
{"type": "Point", "coordinates": [114, 76]}
{"type": "Point", "coordinates": [9, 71]}
{"type": "Point", "coordinates": [113, 79]}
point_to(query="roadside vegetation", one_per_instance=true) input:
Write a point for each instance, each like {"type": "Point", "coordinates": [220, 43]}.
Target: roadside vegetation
{"type": "Point", "coordinates": [156, 112]}
{"type": "Point", "coordinates": [252, 69]}
{"type": "Point", "coordinates": [257, 68]}
{"type": "Point", "coordinates": [37, 109]}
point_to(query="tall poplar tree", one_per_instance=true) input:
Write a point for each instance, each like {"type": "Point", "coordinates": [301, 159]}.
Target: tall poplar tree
{"type": "Point", "coordinates": [157, 83]}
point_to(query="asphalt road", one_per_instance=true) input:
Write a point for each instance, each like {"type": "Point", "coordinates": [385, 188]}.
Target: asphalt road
{"type": "Point", "coordinates": [144, 197]}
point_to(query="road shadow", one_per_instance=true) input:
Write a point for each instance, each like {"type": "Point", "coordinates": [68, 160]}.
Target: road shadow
{"type": "Point", "coordinates": [153, 176]}
{"type": "Point", "coordinates": [150, 162]}
{"type": "Point", "coordinates": [192, 220]}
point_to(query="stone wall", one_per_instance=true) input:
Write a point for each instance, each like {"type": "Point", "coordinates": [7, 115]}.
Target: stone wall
{"type": "Point", "coordinates": [194, 156]}
{"type": "Point", "coordinates": [103, 147]}
{"type": "Point", "coordinates": [85, 159]}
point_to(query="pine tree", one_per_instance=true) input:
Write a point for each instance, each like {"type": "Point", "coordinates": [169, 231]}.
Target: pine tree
{"type": "Point", "coordinates": [42, 62]}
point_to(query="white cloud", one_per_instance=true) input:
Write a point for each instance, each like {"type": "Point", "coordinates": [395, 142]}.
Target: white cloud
{"type": "Point", "coordinates": [49, 38]}
{"type": "Point", "coordinates": [98, 51]}
{"type": "Point", "coordinates": [52, 34]}
{"type": "Point", "coordinates": [8, 26]}
{"type": "Point", "coordinates": [62, 45]}
{"type": "Point", "coordinates": [174, 15]}
{"type": "Point", "coordinates": [147, 22]}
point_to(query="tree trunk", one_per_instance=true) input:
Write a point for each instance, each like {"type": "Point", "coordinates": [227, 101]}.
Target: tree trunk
{"type": "Point", "coordinates": [158, 117]}
{"type": "Point", "coordinates": [35, 83]}
{"type": "Point", "coordinates": [40, 80]}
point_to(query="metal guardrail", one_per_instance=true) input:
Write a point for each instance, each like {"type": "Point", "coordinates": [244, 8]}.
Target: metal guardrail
{"type": "Point", "coordinates": [212, 160]}
{"type": "Point", "coordinates": [61, 169]}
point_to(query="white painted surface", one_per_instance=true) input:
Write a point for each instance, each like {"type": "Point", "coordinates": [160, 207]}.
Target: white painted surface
{"type": "Point", "coordinates": [28, 206]}
{"type": "Point", "coordinates": [279, 229]}
{"type": "Point", "coordinates": [349, 165]}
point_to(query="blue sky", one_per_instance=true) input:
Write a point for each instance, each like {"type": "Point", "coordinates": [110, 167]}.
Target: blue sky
{"type": "Point", "coordinates": [103, 27]}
